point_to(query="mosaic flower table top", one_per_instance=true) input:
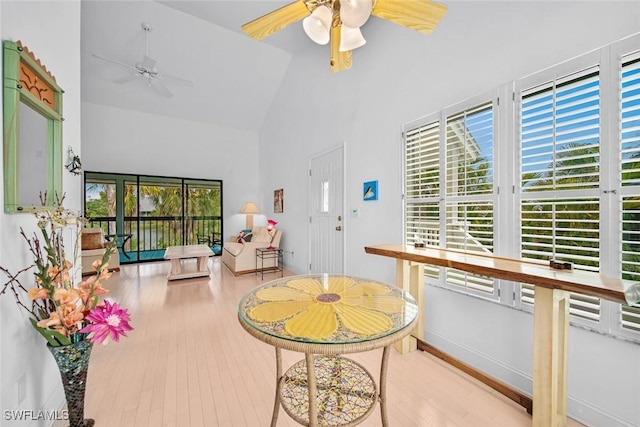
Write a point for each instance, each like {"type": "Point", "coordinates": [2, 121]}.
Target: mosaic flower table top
{"type": "Point", "coordinates": [324, 309]}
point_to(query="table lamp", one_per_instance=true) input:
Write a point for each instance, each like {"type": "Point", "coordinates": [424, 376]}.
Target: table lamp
{"type": "Point", "coordinates": [249, 208]}
{"type": "Point", "coordinates": [270, 226]}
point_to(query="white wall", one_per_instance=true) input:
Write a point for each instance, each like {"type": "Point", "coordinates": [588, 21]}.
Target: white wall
{"type": "Point", "coordinates": [52, 31]}
{"type": "Point", "coordinates": [122, 141]}
{"type": "Point", "coordinates": [367, 106]}
{"type": "Point", "coordinates": [315, 110]}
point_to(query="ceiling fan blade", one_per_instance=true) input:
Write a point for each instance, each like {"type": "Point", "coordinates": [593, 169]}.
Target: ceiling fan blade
{"type": "Point", "coordinates": [175, 79]}
{"type": "Point", "coordinates": [127, 78]}
{"type": "Point", "coordinates": [159, 87]}
{"type": "Point", "coordinates": [275, 21]}
{"type": "Point", "coordinates": [339, 60]}
{"type": "Point", "coordinates": [419, 15]}
{"type": "Point", "coordinates": [113, 61]}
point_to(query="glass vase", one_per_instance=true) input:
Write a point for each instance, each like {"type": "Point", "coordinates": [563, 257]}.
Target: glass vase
{"type": "Point", "coordinates": [73, 363]}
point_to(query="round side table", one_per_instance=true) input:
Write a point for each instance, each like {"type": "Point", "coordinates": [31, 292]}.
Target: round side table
{"type": "Point", "coordinates": [325, 317]}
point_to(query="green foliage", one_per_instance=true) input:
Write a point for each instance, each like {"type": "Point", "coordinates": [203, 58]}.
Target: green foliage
{"type": "Point", "coordinates": [53, 338]}
{"type": "Point", "coordinates": [560, 228]}
{"type": "Point", "coordinates": [187, 204]}
{"type": "Point", "coordinates": [96, 208]}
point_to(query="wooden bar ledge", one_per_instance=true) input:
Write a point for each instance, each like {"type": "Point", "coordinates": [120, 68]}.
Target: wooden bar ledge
{"type": "Point", "coordinates": [550, 309]}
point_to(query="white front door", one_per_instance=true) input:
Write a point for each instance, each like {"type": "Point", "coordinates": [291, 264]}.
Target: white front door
{"type": "Point", "coordinates": [326, 254]}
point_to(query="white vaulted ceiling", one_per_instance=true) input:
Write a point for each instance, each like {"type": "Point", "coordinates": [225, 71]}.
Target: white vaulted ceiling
{"type": "Point", "coordinates": [234, 77]}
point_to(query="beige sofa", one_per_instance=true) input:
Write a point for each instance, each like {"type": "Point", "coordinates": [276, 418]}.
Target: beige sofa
{"type": "Point", "coordinates": [240, 258]}
{"type": "Point", "coordinates": [93, 247]}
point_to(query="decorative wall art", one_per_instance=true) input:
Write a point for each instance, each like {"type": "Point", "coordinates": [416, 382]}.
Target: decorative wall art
{"type": "Point", "coordinates": [278, 201]}
{"type": "Point", "coordinates": [75, 165]}
{"type": "Point", "coordinates": [370, 191]}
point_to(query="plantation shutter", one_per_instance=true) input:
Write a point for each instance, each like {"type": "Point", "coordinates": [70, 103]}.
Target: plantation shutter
{"type": "Point", "coordinates": [560, 134]}
{"type": "Point", "coordinates": [630, 150]}
{"type": "Point", "coordinates": [469, 190]}
{"type": "Point", "coordinates": [560, 209]}
{"type": "Point", "coordinates": [422, 161]}
{"type": "Point", "coordinates": [422, 187]}
{"type": "Point", "coordinates": [470, 228]}
{"type": "Point", "coordinates": [470, 152]}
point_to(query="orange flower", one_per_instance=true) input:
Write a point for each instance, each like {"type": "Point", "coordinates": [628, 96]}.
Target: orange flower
{"type": "Point", "coordinates": [53, 322]}
{"type": "Point", "coordinates": [90, 290]}
{"type": "Point", "coordinates": [38, 293]}
{"type": "Point", "coordinates": [66, 296]}
{"type": "Point", "coordinates": [99, 290]}
{"type": "Point", "coordinates": [54, 273]}
{"type": "Point", "coordinates": [66, 275]}
{"type": "Point", "coordinates": [92, 285]}
{"type": "Point", "coordinates": [71, 316]}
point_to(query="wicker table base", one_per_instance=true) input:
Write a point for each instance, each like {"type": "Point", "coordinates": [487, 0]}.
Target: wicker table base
{"type": "Point", "coordinates": [346, 391]}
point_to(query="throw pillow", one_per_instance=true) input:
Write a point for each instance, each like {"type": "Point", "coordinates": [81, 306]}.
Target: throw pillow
{"type": "Point", "coordinates": [244, 236]}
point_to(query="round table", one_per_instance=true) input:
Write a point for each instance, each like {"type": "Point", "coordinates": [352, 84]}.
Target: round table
{"type": "Point", "coordinates": [325, 316]}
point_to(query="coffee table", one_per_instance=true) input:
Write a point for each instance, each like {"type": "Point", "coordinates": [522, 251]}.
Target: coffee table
{"type": "Point", "coordinates": [325, 317]}
{"type": "Point", "coordinates": [177, 254]}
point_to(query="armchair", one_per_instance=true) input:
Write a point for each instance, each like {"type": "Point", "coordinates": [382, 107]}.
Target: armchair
{"type": "Point", "coordinates": [92, 248]}
{"type": "Point", "coordinates": [240, 258]}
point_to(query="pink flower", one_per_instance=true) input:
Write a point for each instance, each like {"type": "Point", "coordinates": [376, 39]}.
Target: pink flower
{"type": "Point", "coordinates": [107, 321]}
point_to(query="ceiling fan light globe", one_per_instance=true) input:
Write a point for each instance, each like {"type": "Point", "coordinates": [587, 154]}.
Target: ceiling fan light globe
{"type": "Point", "coordinates": [354, 13]}
{"type": "Point", "coordinates": [350, 38]}
{"type": "Point", "coordinates": [317, 26]}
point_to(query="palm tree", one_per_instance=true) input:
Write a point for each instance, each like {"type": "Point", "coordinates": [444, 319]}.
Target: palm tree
{"type": "Point", "coordinates": [575, 167]}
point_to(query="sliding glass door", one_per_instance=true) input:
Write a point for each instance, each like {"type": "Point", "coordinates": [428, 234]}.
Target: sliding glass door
{"type": "Point", "coordinates": [146, 214]}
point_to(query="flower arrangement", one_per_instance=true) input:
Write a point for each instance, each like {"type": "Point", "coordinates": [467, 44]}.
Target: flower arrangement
{"type": "Point", "coordinates": [61, 311]}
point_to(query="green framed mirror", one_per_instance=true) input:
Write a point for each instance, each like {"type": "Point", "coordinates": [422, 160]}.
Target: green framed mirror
{"type": "Point", "coordinates": [32, 117]}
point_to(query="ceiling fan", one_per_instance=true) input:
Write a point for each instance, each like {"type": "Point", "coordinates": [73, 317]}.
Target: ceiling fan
{"type": "Point", "coordinates": [146, 69]}
{"type": "Point", "coordinates": [339, 22]}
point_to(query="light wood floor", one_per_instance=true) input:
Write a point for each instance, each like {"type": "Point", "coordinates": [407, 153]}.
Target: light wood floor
{"type": "Point", "coordinates": [189, 363]}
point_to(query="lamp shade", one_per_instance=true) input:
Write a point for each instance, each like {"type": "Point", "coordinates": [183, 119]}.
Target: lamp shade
{"type": "Point", "coordinates": [249, 208]}
{"type": "Point", "coordinates": [271, 224]}
{"type": "Point", "coordinates": [354, 13]}
{"type": "Point", "coordinates": [350, 38]}
{"type": "Point", "coordinates": [318, 25]}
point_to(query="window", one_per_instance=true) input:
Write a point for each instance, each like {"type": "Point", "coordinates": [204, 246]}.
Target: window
{"type": "Point", "coordinates": [560, 124]}
{"type": "Point", "coordinates": [566, 187]}
{"type": "Point", "coordinates": [423, 183]}
{"type": "Point", "coordinates": [422, 187]}
{"type": "Point", "coordinates": [630, 155]}
{"type": "Point", "coordinates": [466, 198]}
{"type": "Point", "coordinates": [324, 195]}
{"type": "Point", "coordinates": [147, 214]}
{"type": "Point", "coordinates": [559, 139]}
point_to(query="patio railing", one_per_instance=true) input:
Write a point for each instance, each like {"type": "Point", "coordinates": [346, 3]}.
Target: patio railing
{"type": "Point", "coordinates": [144, 236]}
